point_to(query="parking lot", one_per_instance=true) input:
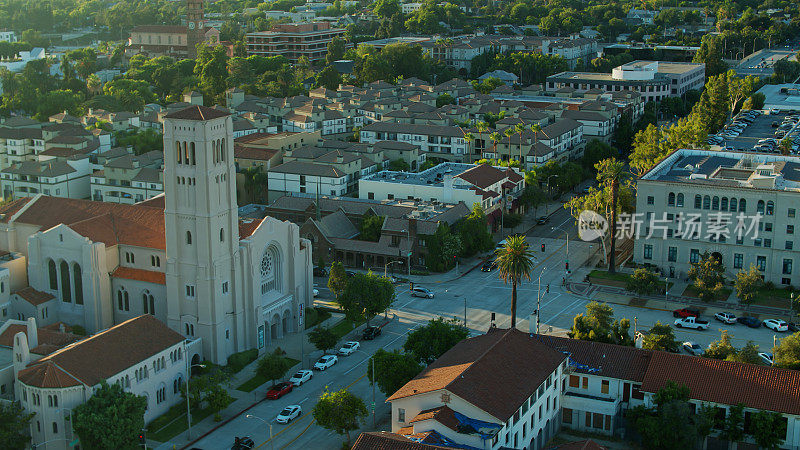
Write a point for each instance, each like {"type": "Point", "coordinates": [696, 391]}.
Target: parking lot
{"type": "Point", "coordinates": [763, 126]}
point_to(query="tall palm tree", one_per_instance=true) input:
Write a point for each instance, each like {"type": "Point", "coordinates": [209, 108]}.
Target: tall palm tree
{"type": "Point", "coordinates": [495, 137]}
{"type": "Point", "coordinates": [469, 138]}
{"type": "Point", "coordinates": [482, 127]}
{"type": "Point", "coordinates": [520, 128]}
{"type": "Point", "coordinates": [536, 129]}
{"type": "Point", "coordinates": [509, 132]}
{"type": "Point", "coordinates": [610, 172]}
{"type": "Point", "coordinates": [515, 264]}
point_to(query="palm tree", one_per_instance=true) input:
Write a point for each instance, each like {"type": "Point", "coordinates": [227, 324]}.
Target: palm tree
{"type": "Point", "coordinates": [495, 137]}
{"type": "Point", "coordinates": [482, 127]}
{"type": "Point", "coordinates": [515, 264]}
{"type": "Point", "coordinates": [509, 132]}
{"type": "Point", "coordinates": [610, 172]}
{"type": "Point", "coordinates": [519, 128]}
{"type": "Point", "coordinates": [536, 129]}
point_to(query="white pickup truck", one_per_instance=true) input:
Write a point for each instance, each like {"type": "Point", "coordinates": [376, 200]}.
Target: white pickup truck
{"type": "Point", "coordinates": [692, 322]}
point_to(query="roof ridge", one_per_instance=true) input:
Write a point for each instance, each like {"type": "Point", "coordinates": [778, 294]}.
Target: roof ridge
{"type": "Point", "coordinates": [484, 353]}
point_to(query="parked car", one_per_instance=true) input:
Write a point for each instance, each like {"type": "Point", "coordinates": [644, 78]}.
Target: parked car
{"type": "Point", "coordinates": [421, 292]}
{"type": "Point", "coordinates": [693, 348]}
{"type": "Point", "coordinates": [725, 317]}
{"type": "Point", "coordinates": [370, 333]}
{"type": "Point", "coordinates": [289, 413]}
{"type": "Point", "coordinates": [692, 322]}
{"type": "Point", "coordinates": [686, 312]}
{"type": "Point", "coordinates": [301, 376]}
{"type": "Point", "coordinates": [243, 443]}
{"type": "Point", "coordinates": [767, 357]}
{"type": "Point", "coordinates": [279, 390]}
{"type": "Point", "coordinates": [325, 361]}
{"type": "Point", "coordinates": [320, 272]}
{"type": "Point", "coordinates": [776, 325]}
{"type": "Point", "coordinates": [751, 322]}
{"type": "Point", "coordinates": [349, 348]}
{"type": "Point", "coordinates": [488, 266]}
{"type": "Point", "coordinates": [542, 220]}
{"type": "Point", "coordinates": [316, 292]}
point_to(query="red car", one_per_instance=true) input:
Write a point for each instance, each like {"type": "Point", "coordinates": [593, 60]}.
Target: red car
{"type": "Point", "coordinates": [686, 312]}
{"type": "Point", "coordinates": [279, 390]}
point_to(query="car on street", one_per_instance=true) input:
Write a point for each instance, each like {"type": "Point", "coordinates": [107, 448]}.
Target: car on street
{"type": "Point", "coordinates": [542, 220]}
{"type": "Point", "coordinates": [301, 376]}
{"type": "Point", "coordinates": [243, 443]}
{"type": "Point", "coordinates": [320, 272]}
{"type": "Point", "coordinates": [686, 312]}
{"type": "Point", "coordinates": [325, 361]}
{"type": "Point", "coordinates": [370, 333]}
{"type": "Point", "coordinates": [725, 317]}
{"type": "Point", "coordinates": [350, 273]}
{"type": "Point", "coordinates": [767, 357]}
{"type": "Point", "coordinates": [349, 348]}
{"type": "Point", "coordinates": [776, 325]}
{"type": "Point", "coordinates": [751, 322]}
{"type": "Point", "coordinates": [316, 292]}
{"type": "Point", "coordinates": [421, 292]}
{"type": "Point", "coordinates": [488, 266]}
{"type": "Point", "coordinates": [500, 244]}
{"type": "Point", "coordinates": [289, 413]}
{"type": "Point", "coordinates": [693, 348]}
{"type": "Point", "coordinates": [692, 322]}
{"type": "Point", "coordinates": [279, 390]}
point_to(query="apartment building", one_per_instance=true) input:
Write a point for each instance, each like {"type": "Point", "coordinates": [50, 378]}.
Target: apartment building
{"type": "Point", "coordinates": [164, 40]}
{"type": "Point", "coordinates": [688, 205]}
{"type": "Point", "coordinates": [294, 40]}
{"type": "Point", "coordinates": [553, 382]}
{"type": "Point", "coordinates": [654, 80]}
{"type": "Point", "coordinates": [129, 178]}
{"type": "Point", "coordinates": [306, 177]}
{"type": "Point", "coordinates": [445, 142]}
{"type": "Point", "coordinates": [57, 177]}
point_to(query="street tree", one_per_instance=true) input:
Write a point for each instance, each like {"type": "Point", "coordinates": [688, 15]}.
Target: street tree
{"type": "Point", "coordinates": [111, 418]}
{"type": "Point", "coordinates": [722, 348]}
{"type": "Point", "coordinates": [749, 354]}
{"type": "Point", "coordinates": [323, 338]}
{"type": "Point", "coordinates": [747, 284]}
{"type": "Point", "coordinates": [14, 426]}
{"type": "Point", "coordinates": [768, 429]}
{"type": "Point", "coordinates": [329, 78]}
{"type": "Point", "coordinates": [787, 352]}
{"type": "Point", "coordinates": [365, 296]}
{"type": "Point", "coordinates": [429, 342]}
{"type": "Point", "coordinates": [660, 337]}
{"type": "Point", "coordinates": [708, 276]}
{"type": "Point", "coordinates": [370, 227]}
{"type": "Point", "coordinates": [611, 172]}
{"type": "Point", "coordinates": [598, 325]}
{"type": "Point", "coordinates": [392, 370]}
{"type": "Point", "coordinates": [643, 282]}
{"type": "Point", "coordinates": [273, 366]}
{"type": "Point", "coordinates": [217, 398]}
{"type": "Point", "coordinates": [514, 263]}
{"type": "Point", "coordinates": [339, 411]}
{"type": "Point", "coordinates": [475, 236]}
{"type": "Point", "coordinates": [337, 279]}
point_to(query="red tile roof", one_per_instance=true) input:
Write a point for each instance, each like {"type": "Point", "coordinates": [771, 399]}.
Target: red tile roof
{"type": "Point", "coordinates": [155, 202]}
{"type": "Point", "coordinates": [197, 112]}
{"type": "Point", "coordinates": [11, 208]}
{"type": "Point", "coordinates": [33, 296]}
{"type": "Point", "coordinates": [256, 153]}
{"type": "Point", "coordinates": [149, 276]}
{"type": "Point", "coordinates": [472, 367]}
{"type": "Point", "coordinates": [248, 226]}
{"type": "Point", "coordinates": [383, 440]}
{"type": "Point", "coordinates": [109, 352]}
{"type": "Point", "coordinates": [47, 375]}
{"type": "Point", "coordinates": [49, 340]}
{"type": "Point", "coordinates": [726, 382]}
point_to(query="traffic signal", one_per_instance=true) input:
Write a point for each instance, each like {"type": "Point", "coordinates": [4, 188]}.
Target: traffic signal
{"type": "Point", "coordinates": [142, 438]}
{"type": "Point", "coordinates": [566, 265]}
{"type": "Point", "coordinates": [412, 285]}
{"type": "Point", "coordinates": [542, 247]}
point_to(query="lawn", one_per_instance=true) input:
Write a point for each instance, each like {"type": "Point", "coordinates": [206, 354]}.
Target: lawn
{"type": "Point", "coordinates": [690, 291]}
{"type": "Point", "coordinates": [173, 422]}
{"type": "Point", "coordinates": [345, 326]}
{"type": "Point", "coordinates": [315, 316]}
{"type": "Point", "coordinates": [618, 279]}
{"type": "Point", "coordinates": [258, 380]}
{"type": "Point", "coordinates": [775, 297]}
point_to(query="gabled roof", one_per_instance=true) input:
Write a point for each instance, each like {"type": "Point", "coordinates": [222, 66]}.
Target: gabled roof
{"type": "Point", "coordinates": [614, 361]}
{"type": "Point", "coordinates": [384, 440]}
{"type": "Point", "coordinates": [197, 112]}
{"type": "Point", "coordinates": [482, 175]}
{"type": "Point", "coordinates": [47, 375]}
{"type": "Point", "coordinates": [148, 276]}
{"type": "Point", "coordinates": [33, 296]}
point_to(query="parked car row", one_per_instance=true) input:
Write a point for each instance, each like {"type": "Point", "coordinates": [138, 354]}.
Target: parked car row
{"type": "Point", "coordinates": [689, 317]}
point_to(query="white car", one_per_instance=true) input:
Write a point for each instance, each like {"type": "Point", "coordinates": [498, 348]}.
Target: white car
{"type": "Point", "coordinates": [301, 377]}
{"type": "Point", "coordinates": [325, 362]}
{"type": "Point", "coordinates": [421, 292]}
{"type": "Point", "coordinates": [693, 348]}
{"type": "Point", "coordinates": [725, 317]}
{"type": "Point", "coordinates": [349, 348]}
{"type": "Point", "coordinates": [767, 358]}
{"type": "Point", "coordinates": [776, 325]}
{"type": "Point", "coordinates": [316, 292]}
{"type": "Point", "coordinates": [289, 413]}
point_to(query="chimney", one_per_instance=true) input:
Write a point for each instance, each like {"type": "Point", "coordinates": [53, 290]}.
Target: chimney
{"type": "Point", "coordinates": [32, 332]}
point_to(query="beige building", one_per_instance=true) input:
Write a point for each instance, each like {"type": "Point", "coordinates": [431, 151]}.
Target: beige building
{"type": "Point", "coordinates": [689, 204]}
{"type": "Point", "coordinates": [129, 178]}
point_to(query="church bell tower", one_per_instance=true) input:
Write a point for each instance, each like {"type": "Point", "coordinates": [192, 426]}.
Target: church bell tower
{"type": "Point", "coordinates": [195, 19]}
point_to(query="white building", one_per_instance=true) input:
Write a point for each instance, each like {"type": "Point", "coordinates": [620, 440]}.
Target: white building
{"type": "Point", "coordinates": [24, 57]}
{"type": "Point", "coordinates": [408, 8]}
{"type": "Point", "coordinates": [59, 178]}
{"type": "Point", "coordinates": [8, 36]}
{"type": "Point", "coordinates": [307, 177]}
{"type": "Point", "coordinates": [440, 140]}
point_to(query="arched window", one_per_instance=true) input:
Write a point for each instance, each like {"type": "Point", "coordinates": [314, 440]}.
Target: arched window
{"type": "Point", "coordinates": [185, 153]}
{"type": "Point", "coordinates": [189, 237]}
{"type": "Point", "coordinates": [148, 303]}
{"type": "Point", "coordinates": [222, 150]}
{"type": "Point", "coordinates": [671, 199]}
{"type": "Point", "coordinates": [269, 270]}
{"type": "Point", "coordinates": [698, 201]}
{"type": "Point", "coordinates": [55, 401]}
{"type": "Point", "coordinates": [706, 202]}
{"type": "Point", "coordinates": [770, 208]}
{"type": "Point", "coordinates": [177, 152]}
{"type": "Point", "coordinates": [66, 292]}
{"type": "Point", "coordinates": [679, 202]}
{"type": "Point", "coordinates": [194, 162]}
{"type": "Point", "coordinates": [51, 269]}
{"type": "Point", "coordinates": [760, 207]}
{"type": "Point", "coordinates": [742, 205]}
{"type": "Point", "coordinates": [55, 428]}
{"type": "Point", "coordinates": [733, 205]}
{"type": "Point", "coordinates": [123, 300]}
{"type": "Point", "coordinates": [77, 278]}
{"type": "Point", "coordinates": [724, 205]}
{"type": "Point", "coordinates": [222, 235]}
{"type": "Point", "coordinates": [715, 203]}
{"type": "Point", "coordinates": [186, 326]}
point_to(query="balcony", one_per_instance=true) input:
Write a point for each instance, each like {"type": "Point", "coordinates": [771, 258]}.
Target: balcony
{"type": "Point", "coordinates": [587, 402]}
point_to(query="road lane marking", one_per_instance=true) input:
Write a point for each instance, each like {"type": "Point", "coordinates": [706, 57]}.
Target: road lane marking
{"type": "Point", "coordinates": [390, 343]}
{"type": "Point", "coordinates": [301, 433]}
{"type": "Point", "coordinates": [570, 306]}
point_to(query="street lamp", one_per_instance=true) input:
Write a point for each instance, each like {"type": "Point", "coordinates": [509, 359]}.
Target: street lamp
{"type": "Point", "coordinates": [547, 203]}
{"type": "Point", "coordinates": [188, 410]}
{"type": "Point", "coordinates": [410, 249]}
{"type": "Point", "coordinates": [269, 424]}
{"type": "Point", "coordinates": [539, 300]}
{"type": "Point", "coordinates": [386, 267]}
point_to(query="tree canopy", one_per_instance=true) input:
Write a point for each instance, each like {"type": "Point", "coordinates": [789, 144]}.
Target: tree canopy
{"type": "Point", "coordinates": [366, 295]}
{"type": "Point", "coordinates": [340, 411]}
{"type": "Point", "coordinates": [111, 418]}
{"type": "Point", "coordinates": [429, 342]}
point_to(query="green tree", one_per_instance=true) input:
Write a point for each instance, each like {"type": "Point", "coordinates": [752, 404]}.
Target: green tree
{"type": "Point", "coordinates": [366, 295]}
{"type": "Point", "coordinates": [598, 324]}
{"type": "Point", "coordinates": [660, 337]}
{"type": "Point", "coordinates": [370, 227]}
{"type": "Point", "coordinates": [755, 101]}
{"type": "Point", "coordinates": [14, 426]}
{"type": "Point", "coordinates": [532, 197]}
{"type": "Point", "coordinates": [708, 276]}
{"type": "Point", "coordinates": [337, 279]}
{"type": "Point", "coordinates": [335, 50]}
{"type": "Point", "coordinates": [747, 284]}
{"type": "Point", "coordinates": [392, 370]}
{"type": "Point", "coordinates": [733, 425]}
{"type": "Point", "coordinates": [669, 425]}
{"type": "Point", "coordinates": [768, 429]}
{"type": "Point", "coordinates": [323, 339]}
{"type": "Point", "coordinates": [273, 366]}
{"type": "Point", "coordinates": [444, 99]}
{"type": "Point", "coordinates": [749, 354]}
{"type": "Point", "coordinates": [132, 95]}
{"type": "Point", "coordinates": [787, 352]}
{"type": "Point", "coordinates": [475, 236]}
{"type": "Point", "coordinates": [339, 411]}
{"type": "Point", "coordinates": [111, 418]}
{"type": "Point", "coordinates": [514, 263]}
{"type": "Point", "coordinates": [211, 69]}
{"type": "Point", "coordinates": [329, 78]}
{"type": "Point", "coordinates": [386, 8]}
{"type": "Point", "coordinates": [255, 183]}
{"type": "Point", "coordinates": [643, 282]}
{"type": "Point", "coordinates": [429, 342]}
{"type": "Point", "coordinates": [399, 165]}
{"type": "Point", "coordinates": [785, 146]}
{"type": "Point", "coordinates": [722, 348]}
{"type": "Point", "coordinates": [710, 53]}
{"type": "Point", "coordinates": [217, 398]}
{"type": "Point", "coordinates": [596, 151]}
{"type": "Point", "coordinates": [611, 172]}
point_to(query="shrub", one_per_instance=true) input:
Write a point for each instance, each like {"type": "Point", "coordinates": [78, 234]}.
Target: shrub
{"type": "Point", "coordinates": [238, 361]}
{"type": "Point", "coordinates": [79, 330]}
